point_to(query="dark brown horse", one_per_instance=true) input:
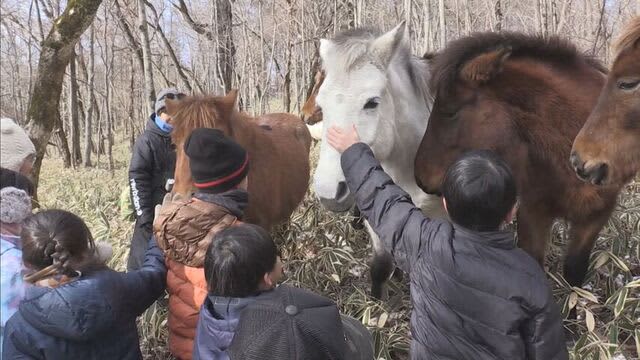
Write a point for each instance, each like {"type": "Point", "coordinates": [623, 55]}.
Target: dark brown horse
{"type": "Point", "coordinates": [607, 149]}
{"type": "Point", "coordinates": [278, 147]}
{"type": "Point", "coordinates": [525, 98]}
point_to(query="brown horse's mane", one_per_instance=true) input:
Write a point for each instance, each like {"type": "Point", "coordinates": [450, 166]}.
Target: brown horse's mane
{"type": "Point", "coordinates": [191, 113]}
{"type": "Point", "coordinates": [552, 50]}
{"type": "Point", "coordinates": [630, 36]}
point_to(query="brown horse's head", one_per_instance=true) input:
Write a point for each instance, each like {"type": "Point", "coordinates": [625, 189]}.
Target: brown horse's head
{"type": "Point", "coordinates": [465, 116]}
{"type": "Point", "coordinates": [194, 112]}
{"type": "Point", "coordinates": [497, 92]}
{"type": "Point", "coordinates": [607, 149]}
{"type": "Point", "coordinates": [311, 113]}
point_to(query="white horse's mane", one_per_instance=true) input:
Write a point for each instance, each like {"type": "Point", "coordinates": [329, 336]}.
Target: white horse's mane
{"type": "Point", "coordinates": [353, 51]}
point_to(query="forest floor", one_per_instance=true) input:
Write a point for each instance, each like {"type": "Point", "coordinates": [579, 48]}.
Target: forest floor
{"type": "Point", "coordinates": [323, 253]}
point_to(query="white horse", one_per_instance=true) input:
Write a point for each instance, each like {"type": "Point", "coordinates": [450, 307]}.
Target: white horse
{"type": "Point", "coordinates": [373, 82]}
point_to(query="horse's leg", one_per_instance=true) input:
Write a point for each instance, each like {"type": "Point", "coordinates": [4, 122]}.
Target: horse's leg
{"type": "Point", "coordinates": [534, 228]}
{"type": "Point", "coordinates": [356, 223]}
{"type": "Point", "coordinates": [582, 236]}
{"type": "Point", "coordinates": [381, 266]}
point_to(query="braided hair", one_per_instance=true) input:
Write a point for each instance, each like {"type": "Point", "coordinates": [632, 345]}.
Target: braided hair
{"type": "Point", "coordinates": [61, 240]}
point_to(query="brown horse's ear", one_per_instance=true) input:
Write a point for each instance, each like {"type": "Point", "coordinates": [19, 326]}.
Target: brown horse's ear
{"type": "Point", "coordinates": [171, 106]}
{"type": "Point", "coordinates": [485, 66]}
{"type": "Point", "coordinates": [229, 102]}
{"type": "Point", "coordinates": [429, 57]}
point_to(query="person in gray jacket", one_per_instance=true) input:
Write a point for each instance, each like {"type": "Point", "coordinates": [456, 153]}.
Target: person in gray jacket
{"type": "Point", "coordinates": [475, 295]}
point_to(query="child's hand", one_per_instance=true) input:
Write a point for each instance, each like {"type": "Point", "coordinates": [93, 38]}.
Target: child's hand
{"type": "Point", "coordinates": [342, 139]}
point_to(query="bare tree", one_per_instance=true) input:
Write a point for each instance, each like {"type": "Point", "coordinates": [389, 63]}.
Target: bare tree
{"type": "Point", "coordinates": [76, 153]}
{"type": "Point", "coordinates": [146, 56]}
{"type": "Point", "coordinates": [56, 51]}
{"type": "Point", "coordinates": [88, 125]}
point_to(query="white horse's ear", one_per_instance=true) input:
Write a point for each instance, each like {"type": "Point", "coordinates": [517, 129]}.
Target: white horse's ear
{"type": "Point", "coordinates": [327, 48]}
{"type": "Point", "coordinates": [386, 45]}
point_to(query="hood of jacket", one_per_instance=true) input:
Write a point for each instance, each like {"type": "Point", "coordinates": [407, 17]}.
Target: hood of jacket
{"type": "Point", "coordinates": [152, 127]}
{"type": "Point", "coordinates": [76, 310]}
{"type": "Point", "coordinates": [184, 228]}
{"type": "Point", "coordinates": [217, 323]}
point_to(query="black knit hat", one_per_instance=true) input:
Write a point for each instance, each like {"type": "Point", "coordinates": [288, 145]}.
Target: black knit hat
{"type": "Point", "coordinates": [295, 324]}
{"type": "Point", "coordinates": [217, 162]}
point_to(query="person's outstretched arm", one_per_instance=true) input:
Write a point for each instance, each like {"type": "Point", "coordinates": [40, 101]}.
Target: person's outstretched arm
{"type": "Point", "coordinates": [402, 227]}
{"type": "Point", "coordinates": [144, 286]}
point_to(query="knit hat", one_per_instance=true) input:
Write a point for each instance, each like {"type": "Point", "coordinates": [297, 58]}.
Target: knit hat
{"type": "Point", "coordinates": [164, 94]}
{"type": "Point", "coordinates": [218, 163]}
{"type": "Point", "coordinates": [296, 324]}
{"type": "Point", "coordinates": [15, 145]}
{"type": "Point", "coordinates": [15, 205]}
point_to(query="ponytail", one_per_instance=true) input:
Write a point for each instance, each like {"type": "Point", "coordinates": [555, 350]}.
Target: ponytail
{"type": "Point", "coordinates": [57, 242]}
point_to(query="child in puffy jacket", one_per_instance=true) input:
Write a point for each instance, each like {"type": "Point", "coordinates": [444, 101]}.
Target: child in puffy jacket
{"type": "Point", "coordinates": [184, 227]}
{"type": "Point", "coordinates": [246, 315]}
{"type": "Point", "coordinates": [78, 308]}
{"type": "Point", "coordinates": [15, 206]}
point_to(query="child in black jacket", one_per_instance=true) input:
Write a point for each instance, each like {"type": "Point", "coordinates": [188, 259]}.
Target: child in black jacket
{"type": "Point", "coordinates": [475, 294]}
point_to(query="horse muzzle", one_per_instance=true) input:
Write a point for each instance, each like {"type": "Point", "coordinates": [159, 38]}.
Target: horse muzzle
{"type": "Point", "coordinates": [595, 173]}
{"type": "Point", "coordinates": [341, 202]}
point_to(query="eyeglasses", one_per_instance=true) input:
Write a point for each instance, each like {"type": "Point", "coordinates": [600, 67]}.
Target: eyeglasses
{"type": "Point", "coordinates": [172, 96]}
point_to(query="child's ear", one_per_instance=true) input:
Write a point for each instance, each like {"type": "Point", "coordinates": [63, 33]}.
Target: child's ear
{"type": "Point", "coordinates": [267, 281]}
{"type": "Point", "coordinates": [511, 215]}
{"type": "Point", "coordinates": [444, 203]}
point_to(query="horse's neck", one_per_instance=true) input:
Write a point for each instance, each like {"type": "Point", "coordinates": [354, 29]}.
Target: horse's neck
{"type": "Point", "coordinates": [412, 108]}
{"type": "Point", "coordinates": [243, 128]}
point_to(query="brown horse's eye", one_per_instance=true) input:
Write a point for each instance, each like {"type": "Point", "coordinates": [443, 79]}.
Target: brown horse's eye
{"type": "Point", "coordinates": [628, 85]}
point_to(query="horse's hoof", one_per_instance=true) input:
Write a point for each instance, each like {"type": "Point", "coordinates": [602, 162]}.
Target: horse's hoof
{"type": "Point", "coordinates": [380, 293]}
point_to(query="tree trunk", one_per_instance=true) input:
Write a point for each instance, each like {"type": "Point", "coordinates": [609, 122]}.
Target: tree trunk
{"type": "Point", "coordinates": [63, 144]}
{"type": "Point", "coordinates": [499, 16]}
{"type": "Point", "coordinates": [149, 90]}
{"type": "Point", "coordinates": [90, 113]}
{"type": "Point", "coordinates": [225, 47]}
{"type": "Point", "coordinates": [76, 153]}
{"type": "Point", "coordinates": [443, 25]}
{"type": "Point", "coordinates": [108, 63]}
{"type": "Point", "coordinates": [55, 53]}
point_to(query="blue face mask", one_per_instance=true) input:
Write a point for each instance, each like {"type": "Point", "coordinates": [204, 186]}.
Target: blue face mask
{"type": "Point", "coordinates": [164, 126]}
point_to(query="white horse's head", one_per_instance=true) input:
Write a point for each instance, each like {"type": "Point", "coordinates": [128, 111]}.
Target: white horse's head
{"type": "Point", "coordinates": [363, 71]}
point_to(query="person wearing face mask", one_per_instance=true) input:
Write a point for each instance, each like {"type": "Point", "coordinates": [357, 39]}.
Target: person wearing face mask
{"type": "Point", "coordinates": [151, 173]}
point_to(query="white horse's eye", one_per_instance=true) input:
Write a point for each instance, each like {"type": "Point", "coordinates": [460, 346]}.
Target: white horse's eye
{"type": "Point", "coordinates": [372, 103]}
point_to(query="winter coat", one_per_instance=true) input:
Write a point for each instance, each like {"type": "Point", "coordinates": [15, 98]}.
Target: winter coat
{"type": "Point", "coordinates": [475, 295]}
{"type": "Point", "coordinates": [152, 165]}
{"type": "Point", "coordinates": [93, 317]}
{"type": "Point", "coordinates": [184, 229]}
{"type": "Point", "coordinates": [217, 324]}
{"type": "Point", "coordinates": [11, 287]}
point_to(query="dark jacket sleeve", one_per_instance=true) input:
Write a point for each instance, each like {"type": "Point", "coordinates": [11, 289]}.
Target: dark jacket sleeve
{"type": "Point", "coordinates": [140, 181]}
{"type": "Point", "coordinates": [401, 226]}
{"type": "Point", "coordinates": [144, 286]}
{"type": "Point", "coordinates": [544, 335]}
{"type": "Point", "coordinates": [19, 344]}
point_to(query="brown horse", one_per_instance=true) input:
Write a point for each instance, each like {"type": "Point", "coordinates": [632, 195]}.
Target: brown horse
{"type": "Point", "coordinates": [525, 98]}
{"type": "Point", "coordinates": [607, 149]}
{"type": "Point", "coordinates": [311, 113]}
{"type": "Point", "coordinates": [278, 147]}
